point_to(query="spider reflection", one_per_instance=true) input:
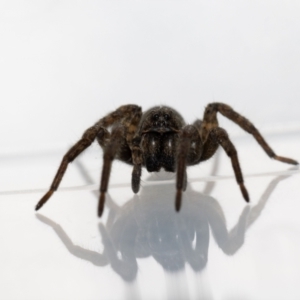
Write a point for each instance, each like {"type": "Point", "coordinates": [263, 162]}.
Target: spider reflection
{"type": "Point", "coordinates": [147, 225]}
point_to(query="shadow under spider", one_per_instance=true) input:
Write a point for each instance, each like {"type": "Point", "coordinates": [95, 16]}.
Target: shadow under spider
{"type": "Point", "coordinates": [147, 225]}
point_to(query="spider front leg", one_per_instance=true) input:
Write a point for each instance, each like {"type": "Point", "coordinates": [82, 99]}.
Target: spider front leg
{"type": "Point", "coordinates": [137, 170]}
{"type": "Point", "coordinates": [110, 151]}
{"type": "Point", "coordinates": [221, 137]}
{"type": "Point", "coordinates": [121, 137]}
{"type": "Point", "coordinates": [136, 154]}
{"type": "Point", "coordinates": [189, 152]}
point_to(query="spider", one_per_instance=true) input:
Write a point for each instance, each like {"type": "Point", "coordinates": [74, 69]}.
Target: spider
{"type": "Point", "coordinates": [160, 138]}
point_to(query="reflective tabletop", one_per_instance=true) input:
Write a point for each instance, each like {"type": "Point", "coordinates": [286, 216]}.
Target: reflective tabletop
{"type": "Point", "coordinates": [216, 247]}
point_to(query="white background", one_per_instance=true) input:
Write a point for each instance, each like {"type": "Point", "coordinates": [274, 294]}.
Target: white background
{"type": "Point", "coordinates": [65, 64]}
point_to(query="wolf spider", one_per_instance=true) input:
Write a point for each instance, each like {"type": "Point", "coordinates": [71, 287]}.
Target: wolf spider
{"type": "Point", "coordinates": [159, 138]}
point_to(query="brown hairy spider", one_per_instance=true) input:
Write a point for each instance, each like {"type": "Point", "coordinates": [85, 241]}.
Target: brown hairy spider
{"type": "Point", "coordinates": [159, 138]}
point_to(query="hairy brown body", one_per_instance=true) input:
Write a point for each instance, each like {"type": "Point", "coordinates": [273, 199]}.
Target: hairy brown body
{"type": "Point", "coordinates": [159, 138]}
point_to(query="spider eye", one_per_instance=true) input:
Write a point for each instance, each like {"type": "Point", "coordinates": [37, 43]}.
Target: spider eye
{"type": "Point", "coordinates": [167, 117]}
{"type": "Point", "coordinates": [155, 117]}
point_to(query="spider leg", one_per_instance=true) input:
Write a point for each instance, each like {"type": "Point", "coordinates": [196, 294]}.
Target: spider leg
{"type": "Point", "coordinates": [189, 151]}
{"type": "Point", "coordinates": [110, 151]}
{"type": "Point", "coordinates": [122, 133]}
{"type": "Point", "coordinates": [210, 121]}
{"type": "Point", "coordinates": [86, 140]}
{"type": "Point", "coordinates": [136, 178]}
{"type": "Point", "coordinates": [134, 140]}
{"type": "Point", "coordinates": [97, 131]}
{"type": "Point", "coordinates": [137, 160]}
{"type": "Point", "coordinates": [103, 137]}
{"type": "Point", "coordinates": [221, 136]}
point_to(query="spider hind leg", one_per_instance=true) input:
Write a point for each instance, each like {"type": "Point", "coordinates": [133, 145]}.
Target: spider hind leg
{"type": "Point", "coordinates": [86, 140]}
{"type": "Point", "coordinates": [220, 135]}
{"type": "Point", "coordinates": [210, 114]}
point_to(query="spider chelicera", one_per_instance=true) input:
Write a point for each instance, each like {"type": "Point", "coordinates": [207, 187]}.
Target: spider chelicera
{"type": "Point", "coordinates": [159, 138]}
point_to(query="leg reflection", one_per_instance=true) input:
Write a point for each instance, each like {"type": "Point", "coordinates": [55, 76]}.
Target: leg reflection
{"type": "Point", "coordinates": [148, 226]}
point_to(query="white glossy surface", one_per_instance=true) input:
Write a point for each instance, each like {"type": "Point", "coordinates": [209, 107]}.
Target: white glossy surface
{"type": "Point", "coordinates": [65, 64]}
{"type": "Point", "coordinates": [217, 247]}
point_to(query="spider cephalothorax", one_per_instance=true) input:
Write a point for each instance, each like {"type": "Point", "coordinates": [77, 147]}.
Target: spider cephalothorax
{"type": "Point", "coordinates": [161, 119]}
{"type": "Point", "coordinates": [157, 139]}
{"type": "Point", "coordinates": [157, 136]}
